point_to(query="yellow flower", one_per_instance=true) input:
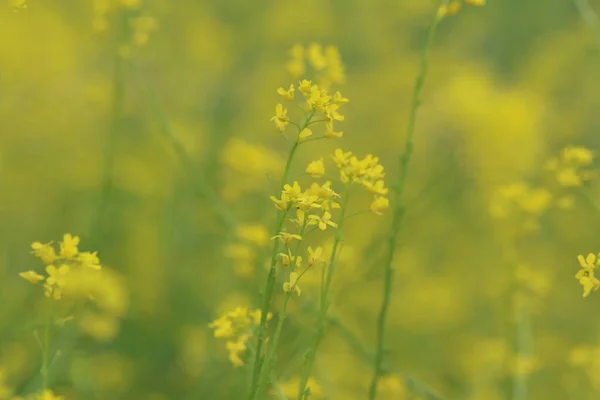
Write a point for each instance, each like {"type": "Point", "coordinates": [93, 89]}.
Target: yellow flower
{"type": "Point", "coordinates": [316, 169]}
{"type": "Point", "coordinates": [331, 112]}
{"type": "Point", "coordinates": [280, 118]}
{"type": "Point", "coordinates": [305, 87]}
{"type": "Point", "coordinates": [257, 235]}
{"type": "Point", "coordinates": [280, 204]}
{"type": "Point", "coordinates": [236, 349]}
{"type": "Point", "coordinates": [57, 276]}
{"type": "Point", "coordinates": [330, 133]}
{"type": "Point", "coordinates": [286, 237]}
{"type": "Point", "coordinates": [47, 395]}
{"type": "Point", "coordinates": [223, 327]}
{"type": "Point", "coordinates": [475, 2]}
{"type": "Point", "coordinates": [315, 57]}
{"type": "Point", "coordinates": [339, 99]}
{"type": "Point", "coordinates": [323, 221]}
{"type": "Point", "coordinates": [305, 134]}
{"type": "Point", "coordinates": [314, 256]}
{"type": "Point", "coordinates": [585, 275]}
{"type": "Point", "coordinates": [288, 259]}
{"type": "Point", "coordinates": [31, 276]}
{"type": "Point", "coordinates": [292, 284]}
{"type": "Point", "coordinates": [379, 205]}
{"type": "Point", "coordinates": [287, 94]}
{"type": "Point", "coordinates": [68, 246]}
{"type": "Point", "coordinates": [44, 251]}
{"type": "Point", "coordinates": [18, 4]}
{"type": "Point", "coordinates": [579, 156]}
{"type": "Point", "coordinates": [341, 159]}
{"type": "Point", "coordinates": [449, 9]}
{"type": "Point", "coordinates": [376, 188]}
{"type": "Point", "coordinates": [89, 260]}
{"type": "Point", "coordinates": [292, 191]}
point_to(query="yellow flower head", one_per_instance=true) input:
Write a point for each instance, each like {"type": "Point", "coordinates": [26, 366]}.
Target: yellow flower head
{"type": "Point", "coordinates": [316, 169]}
{"type": "Point", "coordinates": [585, 275]}
{"type": "Point", "coordinates": [287, 94]}
{"type": "Point", "coordinates": [292, 284]}
{"type": "Point", "coordinates": [68, 246]}
{"type": "Point", "coordinates": [281, 120]}
{"type": "Point", "coordinates": [44, 251]}
{"type": "Point", "coordinates": [31, 276]}
{"type": "Point", "coordinates": [379, 205]}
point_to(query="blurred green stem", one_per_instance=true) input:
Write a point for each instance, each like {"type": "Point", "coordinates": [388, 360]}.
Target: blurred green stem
{"type": "Point", "coordinates": [46, 350]}
{"type": "Point", "coordinates": [116, 112]}
{"type": "Point", "coordinates": [524, 347]}
{"type": "Point", "coordinates": [271, 278]}
{"type": "Point", "coordinates": [399, 208]}
{"type": "Point", "coordinates": [589, 16]}
{"type": "Point", "coordinates": [322, 318]}
{"type": "Point", "coordinates": [268, 363]}
{"type": "Point", "coordinates": [200, 183]}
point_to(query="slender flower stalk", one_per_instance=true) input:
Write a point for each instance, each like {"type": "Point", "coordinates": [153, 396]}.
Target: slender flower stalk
{"type": "Point", "coordinates": [266, 368]}
{"type": "Point", "coordinates": [399, 208]}
{"type": "Point", "coordinates": [45, 367]}
{"type": "Point", "coordinates": [324, 306]}
{"type": "Point", "coordinates": [271, 278]}
{"type": "Point", "coordinates": [590, 17]}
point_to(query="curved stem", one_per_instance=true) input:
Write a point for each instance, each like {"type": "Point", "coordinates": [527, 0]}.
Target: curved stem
{"type": "Point", "coordinates": [399, 209]}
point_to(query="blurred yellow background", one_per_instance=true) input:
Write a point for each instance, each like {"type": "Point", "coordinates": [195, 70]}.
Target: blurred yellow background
{"type": "Point", "coordinates": [121, 132]}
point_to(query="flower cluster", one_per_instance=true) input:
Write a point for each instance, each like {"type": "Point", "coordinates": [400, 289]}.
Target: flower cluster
{"type": "Point", "coordinates": [313, 205]}
{"type": "Point", "coordinates": [585, 275]}
{"type": "Point", "coordinates": [58, 265]}
{"type": "Point", "coordinates": [523, 202]}
{"type": "Point", "coordinates": [326, 63]}
{"type": "Point", "coordinates": [572, 167]}
{"type": "Point", "coordinates": [318, 102]}
{"type": "Point", "coordinates": [454, 6]}
{"type": "Point", "coordinates": [250, 240]}
{"type": "Point", "coordinates": [237, 326]}
{"type": "Point", "coordinates": [366, 172]}
{"type": "Point", "coordinates": [76, 275]}
{"type": "Point", "coordinates": [139, 25]}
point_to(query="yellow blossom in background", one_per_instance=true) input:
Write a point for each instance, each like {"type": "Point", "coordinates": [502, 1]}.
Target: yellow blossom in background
{"type": "Point", "coordinates": [17, 4]}
{"type": "Point", "coordinates": [287, 94]}
{"type": "Point", "coordinates": [280, 118]}
{"type": "Point", "coordinates": [292, 284]}
{"type": "Point", "coordinates": [316, 169]}
{"type": "Point", "coordinates": [586, 275]}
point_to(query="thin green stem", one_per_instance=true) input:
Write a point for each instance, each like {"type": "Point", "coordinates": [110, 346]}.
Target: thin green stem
{"type": "Point", "coordinates": [109, 153]}
{"type": "Point", "coordinates": [45, 367]}
{"type": "Point", "coordinates": [322, 318]}
{"type": "Point", "coordinates": [200, 182]}
{"type": "Point", "coordinates": [267, 364]}
{"type": "Point", "coordinates": [271, 278]}
{"type": "Point", "coordinates": [590, 17]}
{"type": "Point", "coordinates": [399, 208]}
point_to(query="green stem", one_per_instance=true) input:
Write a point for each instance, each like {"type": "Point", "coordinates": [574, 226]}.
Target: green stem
{"type": "Point", "coordinates": [271, 278]}
{"type": "Point", "coordinates": [44, 370]}
{"type": "Point", "coordinates": [116, 112]}
{"type": "Point", "coordinates": [590, 17]}
{"type": "Point", "coordinates": [399, 209]}
{"type": "Point", "coordinates": [322, 318]}
{"type": "Point", "coordinates": [200, 182]}
{"type": "Point", "coordinates": [267, 364]}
